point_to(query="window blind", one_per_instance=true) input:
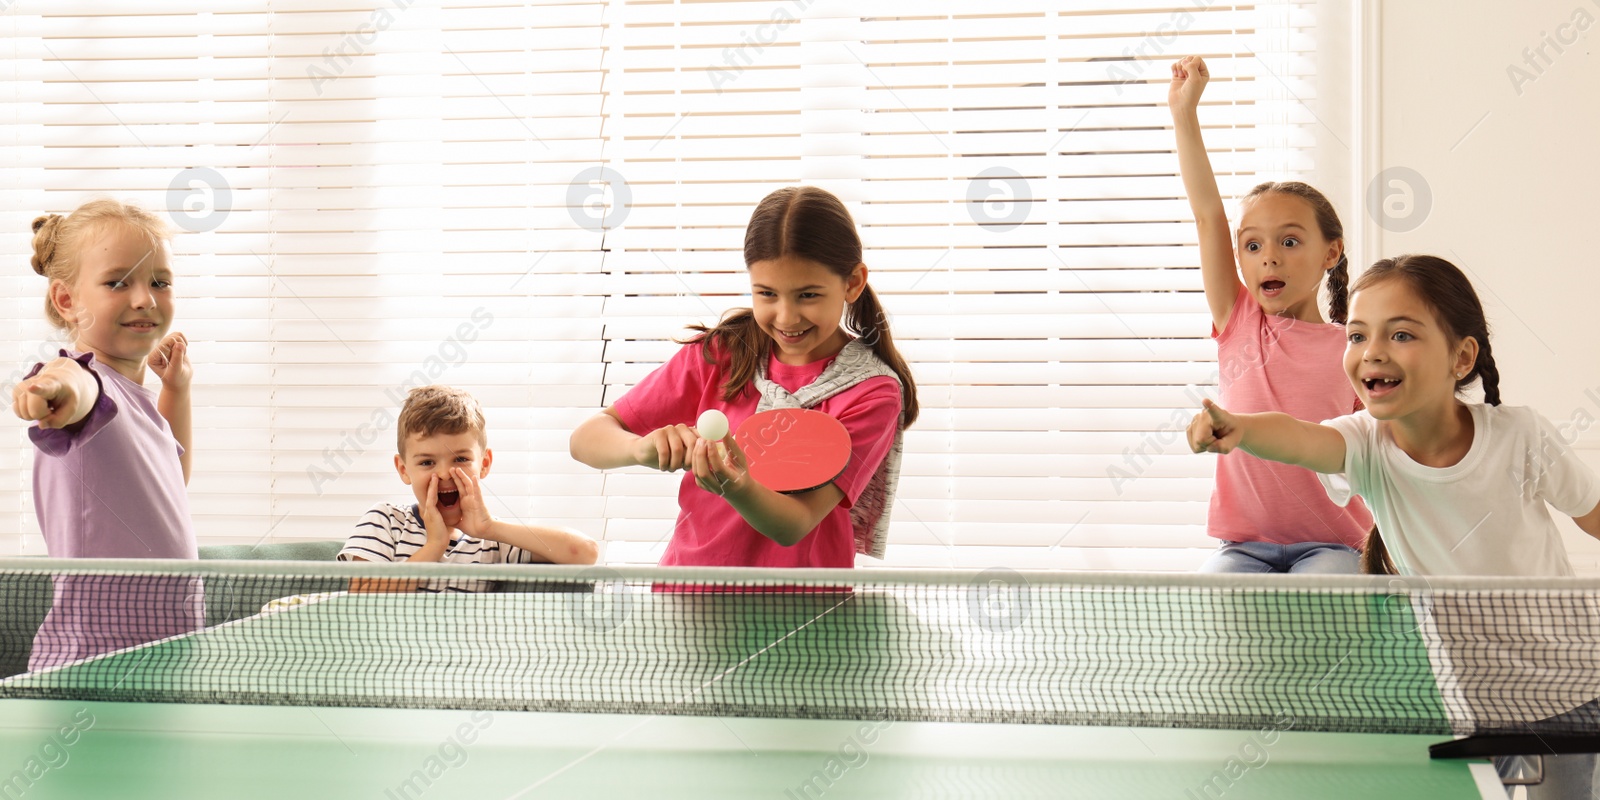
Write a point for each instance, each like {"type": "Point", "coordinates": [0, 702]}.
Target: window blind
{"type": "Point", "coordinates": [531, 201]}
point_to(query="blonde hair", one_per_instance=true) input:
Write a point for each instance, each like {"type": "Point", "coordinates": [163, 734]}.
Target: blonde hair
{"type": "Point", "coordinates": [440, 409]}
{"type": "Point", "coordinates": [58, 242]}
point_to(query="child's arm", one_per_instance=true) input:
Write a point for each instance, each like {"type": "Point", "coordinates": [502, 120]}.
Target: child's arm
{"type": "Point", "coordinates": [432, 550]}
{"type": "Point", "coordinates": [376, 585]}
{"type": "Point", "coordinates": [783, 518]}
{"type": "Point", "coordinates": [170, 363]}
{"type": "Point", "coordinates": [61, 394]}
{"type": "Point", "coordinates": [1559, 476]}
{"type": "Point", "coordinates": [1272, 436]}
{"type": "Point", "coordinates": [546, 543]}
{"type": "Point", "coordinates": [1217, 269]}
{"type": "Point", "coordinates": [1590, 522]}
{"type": "Point", "coordinates": [554, 545]}
{"type": "Point", "coordinates": [603, 442]}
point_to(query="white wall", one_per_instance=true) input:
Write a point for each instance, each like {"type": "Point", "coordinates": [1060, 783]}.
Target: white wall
{"type": "Point", "coordinates": [1514, 174]}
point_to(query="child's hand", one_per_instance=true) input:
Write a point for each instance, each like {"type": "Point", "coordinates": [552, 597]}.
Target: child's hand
{"type": "Point", "coordinates": [668, 449]}
{"type": "Point", "coordinates": [438, 532]}
{"type": "Point", "coordinates": [51, 398]}
{"type": "Point", "coordinates": [721, 470]}
{"type": "Point", "coordinates": [1189, 78]}
{"type": "Point", "coordinates": [475, 518]}
{"type": "Point", "coordinates": [1214, 430]}
{"type": "Point", "coordinates": [170, 362]}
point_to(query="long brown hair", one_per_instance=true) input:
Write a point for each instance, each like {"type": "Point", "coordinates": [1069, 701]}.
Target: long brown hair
{"type": "Point", "coordinates": [809, 223]}
{"type": "Point", "coordinates": [1332, 230]}
{"type": "Point", "coordinates": [1445, 290]}
{"type": "Point", "coordinates": [1375, 556]}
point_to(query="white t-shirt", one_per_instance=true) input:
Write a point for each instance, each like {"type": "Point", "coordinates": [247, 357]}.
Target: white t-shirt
{"type": "Point", "coordinates": [1502, 659]}
{"type": "Point", "coordinates": [393, 532]}
{"type": "Point", "coordinates": [1485, 515]}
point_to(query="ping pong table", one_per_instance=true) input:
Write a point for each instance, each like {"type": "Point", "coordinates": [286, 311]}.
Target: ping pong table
{"type": "Point", "coordinates": [1096, 691]}
{"type": "Point", "coordinates": [137, 750]}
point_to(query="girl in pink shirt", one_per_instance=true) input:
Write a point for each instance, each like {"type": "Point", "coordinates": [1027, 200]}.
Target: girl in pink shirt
{"type": "Point", "coordinates": [815, 337]}
{"type": "Point", "coordinates": [1274, 353]}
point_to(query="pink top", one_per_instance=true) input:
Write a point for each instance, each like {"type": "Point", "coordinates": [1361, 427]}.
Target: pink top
{"type": "Point", "coordinates": [708, 531]}
{"type": "Point", "coordinates": [1271, 363]}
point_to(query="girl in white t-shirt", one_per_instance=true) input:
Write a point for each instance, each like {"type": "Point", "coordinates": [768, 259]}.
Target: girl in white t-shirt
{"type": "Point", "coordinates": [1457, 488]}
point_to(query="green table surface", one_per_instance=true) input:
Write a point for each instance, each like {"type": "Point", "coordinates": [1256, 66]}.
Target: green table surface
{"type": "Point", "coordinates": [713, 673]}
{"type": "Point", "coordinates": [137, 750]}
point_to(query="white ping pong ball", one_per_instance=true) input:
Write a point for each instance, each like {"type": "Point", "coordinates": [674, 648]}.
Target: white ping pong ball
{"type": "Point", "coordinates": [712, 425]}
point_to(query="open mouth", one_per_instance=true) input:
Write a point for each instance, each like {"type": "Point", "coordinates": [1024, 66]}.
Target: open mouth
{"type": "Point", "coordinates": [794, 336]}
{"type": "Point", "coordinates": [1377, 387]}
{"type": "Point", "coordinates": [448, 498]}
{"type": "Point", "coordinates": [1271, 288]}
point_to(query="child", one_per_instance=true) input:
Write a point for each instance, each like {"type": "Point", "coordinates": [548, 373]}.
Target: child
{"type": "Point", "coordinates": [444, 453]}
{"type": "Point", "coordinates": [789, 350]}
{"type": "Point", "coordinates": [1274, 353]}
{"type": "Point", "coordinates": [1458, 488]}
{"type": "Point", "coordinates": [112, 457]}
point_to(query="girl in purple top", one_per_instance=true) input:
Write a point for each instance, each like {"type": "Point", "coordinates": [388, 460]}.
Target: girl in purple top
{"type": "Point", "coordinates": [112, 456]}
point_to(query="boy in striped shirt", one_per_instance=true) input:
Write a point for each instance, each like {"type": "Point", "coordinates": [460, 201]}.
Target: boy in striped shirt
{"type": "Point", "coordinates": [444, 453]}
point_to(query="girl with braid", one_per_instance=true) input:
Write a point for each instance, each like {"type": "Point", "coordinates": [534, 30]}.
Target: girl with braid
{"type": "Point", "coordinates": [1274, 353]}
{"type": "Point", "coordinates": [1458, 488]}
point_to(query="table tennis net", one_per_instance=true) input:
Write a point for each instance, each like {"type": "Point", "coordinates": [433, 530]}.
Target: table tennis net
{"type": "Point", "coordinates": [1350, 654]}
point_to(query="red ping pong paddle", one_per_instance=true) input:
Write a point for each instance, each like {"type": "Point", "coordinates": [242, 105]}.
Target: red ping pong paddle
{"type": "Point", "coordinates": [792, 450]}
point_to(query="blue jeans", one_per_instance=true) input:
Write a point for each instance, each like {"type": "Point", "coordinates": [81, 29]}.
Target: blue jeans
{"type": "Point", "coordinates": [1306, 558]}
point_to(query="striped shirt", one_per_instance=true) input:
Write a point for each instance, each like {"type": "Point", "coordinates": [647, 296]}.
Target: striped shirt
{"type": "Point", "coordinates": [389, 532]}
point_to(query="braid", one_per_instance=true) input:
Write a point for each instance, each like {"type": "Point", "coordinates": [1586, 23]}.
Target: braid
{"type": "Point", "coordinates": [1339, 290]}
{"type": "Point", "coordinates": [867, 317]}
{"type": "Point", "coordinates": [1375, 556]}
{"type": "Point", "coordinates": [1486, 370]}
{"type": "Point", "coordinates": [44, 241]}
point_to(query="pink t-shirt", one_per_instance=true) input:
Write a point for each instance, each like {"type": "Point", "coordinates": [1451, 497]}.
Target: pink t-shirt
{"type": "Point", "coordinates": [1271, 363]}
{"type": "Point", "coordinates": [708, 531]}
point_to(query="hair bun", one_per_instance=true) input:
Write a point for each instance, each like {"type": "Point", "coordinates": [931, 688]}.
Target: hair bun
{"type": "Point", "coordinates": [44, 241]}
